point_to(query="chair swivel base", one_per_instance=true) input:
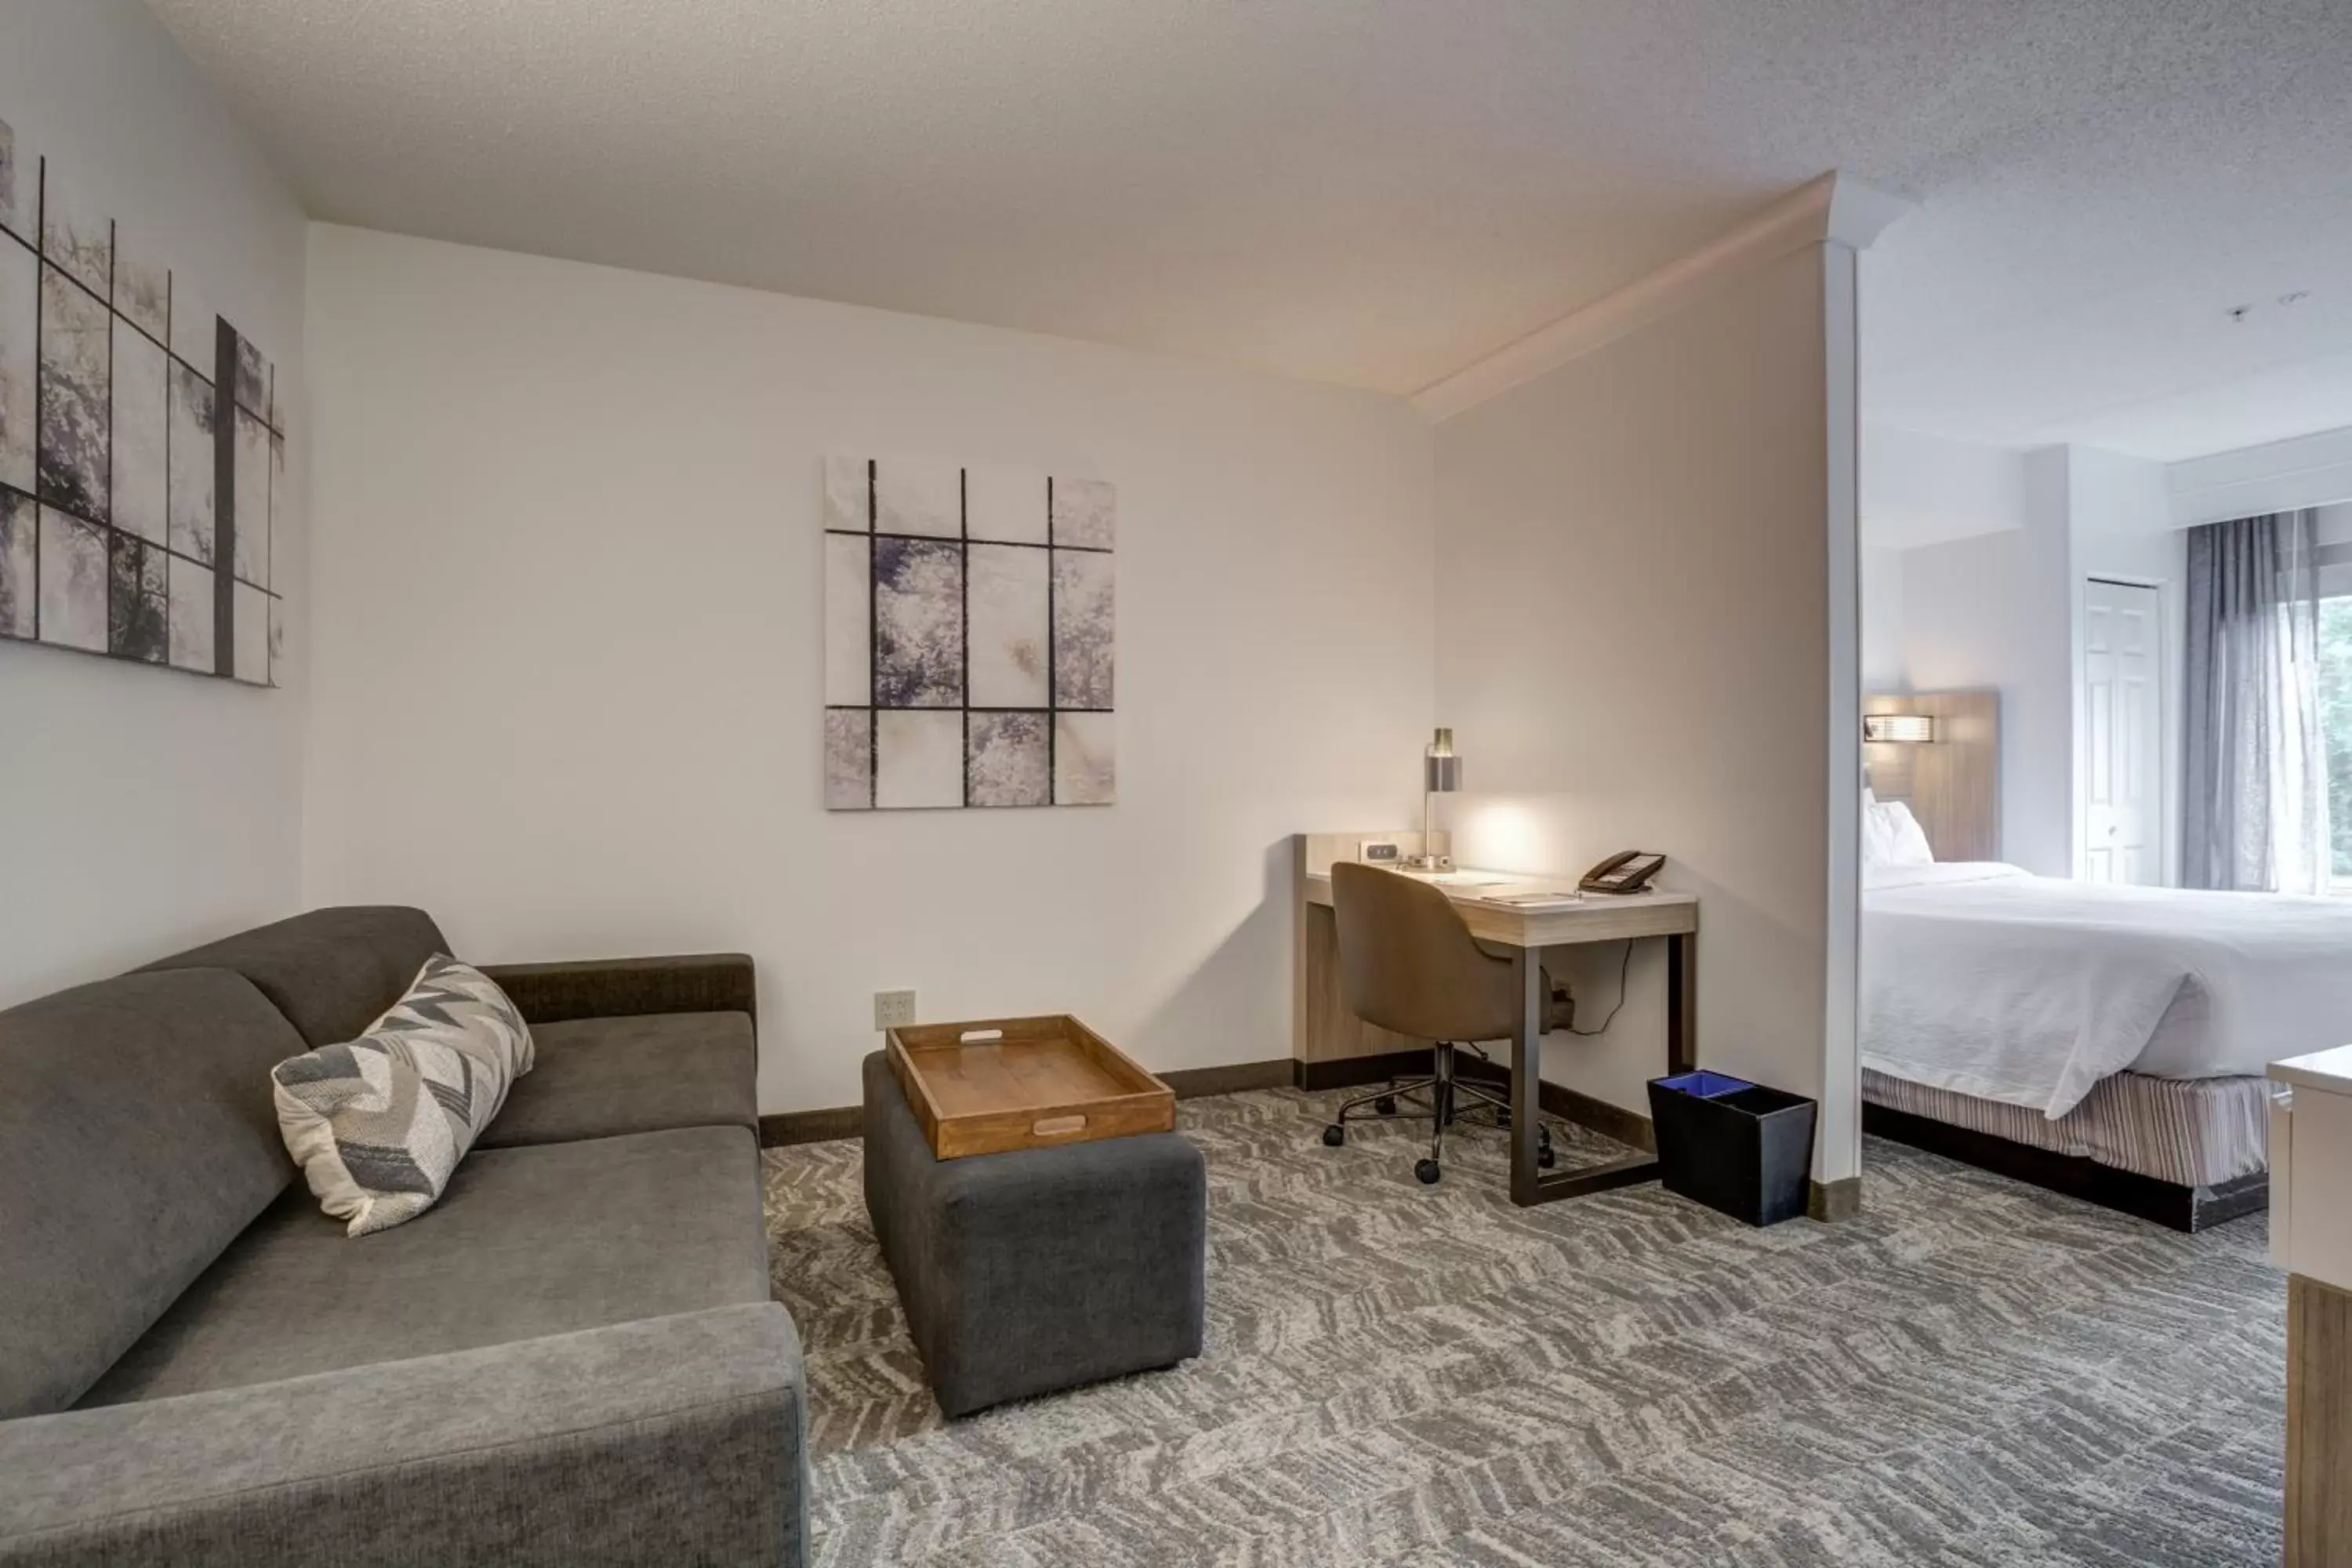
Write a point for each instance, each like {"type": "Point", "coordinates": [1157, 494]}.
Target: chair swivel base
{"type": "Point", "coordinates": [1441, 1094]}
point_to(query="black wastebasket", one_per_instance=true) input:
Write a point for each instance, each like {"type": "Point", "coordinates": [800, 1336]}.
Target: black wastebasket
{"type": "Point", "coordinates": [1738, 1147]}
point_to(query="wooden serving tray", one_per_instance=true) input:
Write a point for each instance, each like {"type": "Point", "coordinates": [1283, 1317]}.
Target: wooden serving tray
{"type": "Point", "coordinates": [1023, 1083]}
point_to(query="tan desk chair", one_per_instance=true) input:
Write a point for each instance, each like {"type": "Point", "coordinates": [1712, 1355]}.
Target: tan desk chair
{"type": "Point", "coordinates": [1408, 965]}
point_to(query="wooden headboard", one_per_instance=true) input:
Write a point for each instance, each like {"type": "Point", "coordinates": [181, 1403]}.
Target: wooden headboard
{"type": "Point", "coordinates": [1952, 783]}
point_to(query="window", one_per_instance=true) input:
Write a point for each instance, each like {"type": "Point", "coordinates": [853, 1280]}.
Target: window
{"type": "Point", "coordinates": [2336, 727]}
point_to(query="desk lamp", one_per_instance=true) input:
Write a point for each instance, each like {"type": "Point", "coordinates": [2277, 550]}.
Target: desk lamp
{"type": "Point", "coordinates": [1441, 773]}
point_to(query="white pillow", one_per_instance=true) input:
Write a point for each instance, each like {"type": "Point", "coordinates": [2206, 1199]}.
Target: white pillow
{"type": "Point", "coordinates": [379, 1124]}
{"type": "Point", "coordinates": [1875, 846]}
{"type": "Point", "coordinates": [1891, 836]}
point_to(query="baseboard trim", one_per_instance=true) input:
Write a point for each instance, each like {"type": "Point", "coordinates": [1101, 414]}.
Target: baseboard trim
{"type": "Point", "coordinates": [1627, 1127]}
{"type": "Point", "coordinates": [1354, 1072]}
{"type": "Point", "coordinates": [837, 1123]}
{"type": "Point", "coordinates": [1833, 1201]}
{"type": "Point", "coordinates": [1234, 1077]}
{"type": "Point", "coordinates": [826, 1126]}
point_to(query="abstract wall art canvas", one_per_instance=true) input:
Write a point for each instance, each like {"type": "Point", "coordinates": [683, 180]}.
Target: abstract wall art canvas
{"type": "Point", "coordinates": [140, 506]}
{"type": "Point", "coordinates": [970, 618]}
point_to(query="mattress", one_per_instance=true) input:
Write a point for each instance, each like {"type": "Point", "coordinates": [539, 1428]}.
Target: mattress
{"type": "Point", "coordinates": [2196, 1133]}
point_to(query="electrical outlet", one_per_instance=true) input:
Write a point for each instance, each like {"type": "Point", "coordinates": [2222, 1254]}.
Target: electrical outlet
{"type": "Point", "coordinates": [894, 1009]}
{"type": "Point", "coordinates": [1378, 851]}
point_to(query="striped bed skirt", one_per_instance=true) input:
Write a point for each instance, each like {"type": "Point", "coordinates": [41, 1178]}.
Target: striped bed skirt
{"type": "Point", "coordinates": [2196, 1133]}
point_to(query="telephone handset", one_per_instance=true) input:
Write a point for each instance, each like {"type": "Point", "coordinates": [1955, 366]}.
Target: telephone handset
{"type": "Point", "coordinates": [1627, 873]}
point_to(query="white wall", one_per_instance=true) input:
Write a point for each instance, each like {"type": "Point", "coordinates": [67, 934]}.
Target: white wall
{"type": "Point", "coordinates": [2003, 610]}
{"type": "Point", "coordinates": [1991, 612]}
{"type": "Point", "coordinates": [145, 809]}
{"type": "Point", "coordinates": [1882, 619]}
{"type": "Point", "coordinates": [1634, 591]}
{"type": "Point", "coordinates": [1924, 490]}
{"type": "Point", "coordinates": [568, 666]}
{"type": "Point", "coordinates": [1918, 491]}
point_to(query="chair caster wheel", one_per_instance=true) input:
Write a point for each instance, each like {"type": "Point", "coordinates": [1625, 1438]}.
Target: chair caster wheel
{"type": "Point", "coordinates": [1334, 1135]}
{"type": "Point", "coordinates": [1385, 1105]}
{"type": "Point", "coordinates": [1546, 1158]}
{"type": "Point", "coordinates": [1427, 1171]}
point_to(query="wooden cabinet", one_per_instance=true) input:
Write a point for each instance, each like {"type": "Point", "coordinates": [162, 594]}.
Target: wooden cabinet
{"type": "Point", "coordinates": [2311, 1238]}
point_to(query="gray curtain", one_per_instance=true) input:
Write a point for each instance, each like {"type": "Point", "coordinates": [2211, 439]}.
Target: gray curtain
{"type": "Point", "coordinates": [2255, 802]}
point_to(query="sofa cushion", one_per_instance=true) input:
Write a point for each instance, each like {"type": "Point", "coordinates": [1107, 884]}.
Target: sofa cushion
{"type": "Point", "coordinates": [525, 1242]}
{"type": "Point", "coordinates": [136, 1141]}
{"type": "Point", "coordinates": [598, 1077]}
{"type": "Point", "coordinates": [332, 972]}
{"type": "Point", "coordinates": [378, 1124]}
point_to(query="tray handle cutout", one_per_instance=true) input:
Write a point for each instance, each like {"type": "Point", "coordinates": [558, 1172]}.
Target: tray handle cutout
{"type": "Point", "coordinates": [1057, 1126]}
{"type": "Point", "coordinates": [979, 1037]}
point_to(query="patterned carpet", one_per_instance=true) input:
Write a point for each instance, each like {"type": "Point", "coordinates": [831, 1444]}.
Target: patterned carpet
{"type": "Point", "coordinates": [1975, 1372]}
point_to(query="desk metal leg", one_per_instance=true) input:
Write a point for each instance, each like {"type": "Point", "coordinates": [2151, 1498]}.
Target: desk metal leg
{"type": "Point", "coordinates": [1681, 1003]}
{"type": "Point", "coordinates": [1527, 1073]}
{"type": "Point", "coordinates": [1529, 1185]}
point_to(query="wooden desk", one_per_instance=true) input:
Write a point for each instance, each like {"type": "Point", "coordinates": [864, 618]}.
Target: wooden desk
{"type": "Point", "coordinates": [1673, 916]}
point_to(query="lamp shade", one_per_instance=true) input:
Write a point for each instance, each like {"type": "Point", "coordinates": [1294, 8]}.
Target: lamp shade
{"type": "Point", "coordinates": [1907, 728]}
{"type": "Point", "coordinates": [1441, 768]}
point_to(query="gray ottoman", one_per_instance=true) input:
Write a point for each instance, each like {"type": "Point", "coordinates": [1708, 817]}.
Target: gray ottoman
{"type": "Point", "coordinates": [1043, 1269]}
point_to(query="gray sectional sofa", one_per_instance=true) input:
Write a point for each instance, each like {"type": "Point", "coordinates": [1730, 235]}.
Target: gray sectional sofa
{"type": "Point", "coordinates": [571, 1359]}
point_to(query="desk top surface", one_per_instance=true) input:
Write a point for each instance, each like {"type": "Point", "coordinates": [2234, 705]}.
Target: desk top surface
{"type": "Point", "coordinates": [1596, 917]}
{"type": "Point", "coordinates": [2329, 1070]}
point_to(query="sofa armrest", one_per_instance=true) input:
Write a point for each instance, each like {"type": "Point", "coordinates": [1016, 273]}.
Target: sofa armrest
{"type": "Point", "coordinates": [679, 1439]}
{"type": "Point", "coordinates": [627, 987]}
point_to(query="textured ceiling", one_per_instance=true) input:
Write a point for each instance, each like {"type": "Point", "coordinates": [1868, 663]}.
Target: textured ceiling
{"type": "Point", "coordinates": [1378, 194]}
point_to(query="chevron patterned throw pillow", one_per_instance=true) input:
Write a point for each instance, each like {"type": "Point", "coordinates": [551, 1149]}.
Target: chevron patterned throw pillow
{"type": "Point", "coordinates": [378, 1125]}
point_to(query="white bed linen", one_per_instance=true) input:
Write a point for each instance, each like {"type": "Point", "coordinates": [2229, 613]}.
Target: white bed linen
{"type": "Point", "coordinates": [1982, 978]}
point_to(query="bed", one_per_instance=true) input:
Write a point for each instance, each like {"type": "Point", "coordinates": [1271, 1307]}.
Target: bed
{"type": "Point", "coordinates": [2128, 1027]}
{"type": "Point", "coordinates": [2105, 1040]}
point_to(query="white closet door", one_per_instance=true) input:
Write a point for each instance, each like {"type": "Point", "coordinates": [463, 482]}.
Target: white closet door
{"type": "Point", "coordinates": [2123, 826]}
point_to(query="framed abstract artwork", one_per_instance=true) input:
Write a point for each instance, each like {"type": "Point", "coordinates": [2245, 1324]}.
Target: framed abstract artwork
{"type": "Point", "coordinates": [970, 618]}
{"type": "Point", "coordinates": [143, 456]}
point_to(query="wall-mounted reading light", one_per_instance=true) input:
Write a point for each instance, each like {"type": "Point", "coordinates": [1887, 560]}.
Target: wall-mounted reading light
{"type": "Point", "coordinates": [1907, 728]}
